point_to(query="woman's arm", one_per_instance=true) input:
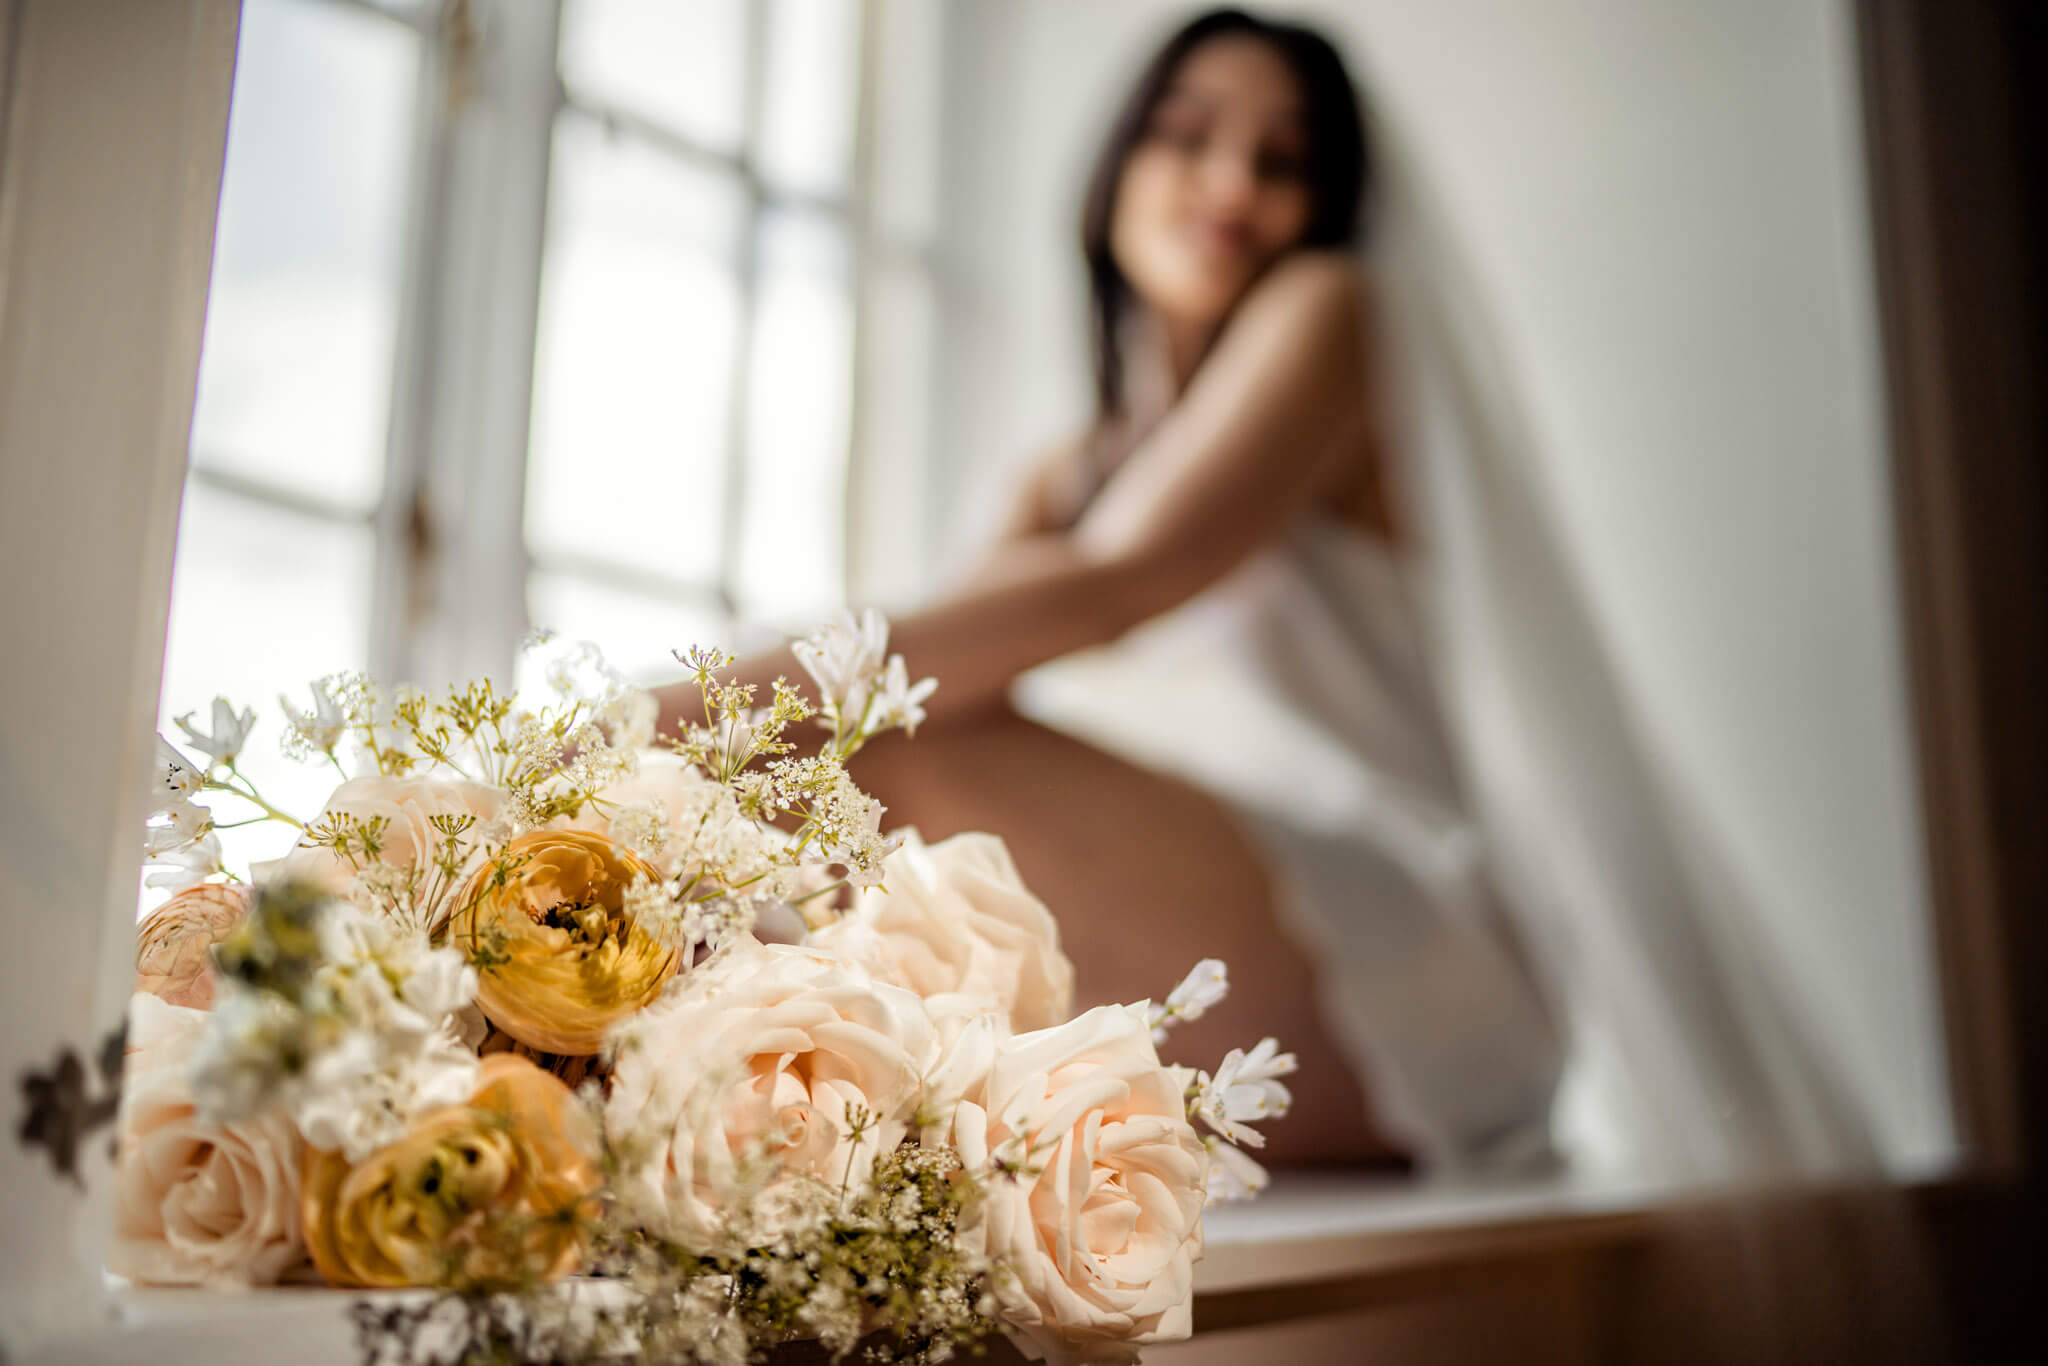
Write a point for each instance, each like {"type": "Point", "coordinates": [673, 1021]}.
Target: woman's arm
{"type": "Point", "coordinates": [1043, 499]}
{"type": "Point", "coordinates": [1260, 431]}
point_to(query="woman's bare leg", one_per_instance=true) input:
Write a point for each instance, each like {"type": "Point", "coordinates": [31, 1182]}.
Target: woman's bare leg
{"type": "Point", "coordinates": [1147, 875]}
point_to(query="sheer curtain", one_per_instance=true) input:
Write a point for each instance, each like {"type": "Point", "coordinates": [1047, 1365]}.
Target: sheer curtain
{"type": "Point", "coordinates": [1693, 1075]}
{"type": "Point", "coordinates": [1688, 1065]}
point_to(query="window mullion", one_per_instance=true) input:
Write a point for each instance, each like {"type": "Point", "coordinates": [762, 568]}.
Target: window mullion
{"type": "Point", "coordinates": [855, 516]}
{"type": "Point", "coordinates": [465, 526]}
{"type": "Point", "coordinates": [747, 269]}
{"type": "Point", "coordinates": [399, 563]}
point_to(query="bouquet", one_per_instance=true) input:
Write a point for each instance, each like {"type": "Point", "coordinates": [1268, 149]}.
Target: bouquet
{"type": "Point", "coordinates": [663, 1048]}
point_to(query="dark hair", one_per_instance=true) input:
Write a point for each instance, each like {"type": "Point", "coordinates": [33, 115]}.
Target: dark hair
{"type": "Point", "coordinates": [1338, 165]}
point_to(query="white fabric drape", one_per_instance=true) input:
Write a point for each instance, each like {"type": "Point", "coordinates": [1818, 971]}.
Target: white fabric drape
{"type": "Point", "coordinates": [1688, 1064]}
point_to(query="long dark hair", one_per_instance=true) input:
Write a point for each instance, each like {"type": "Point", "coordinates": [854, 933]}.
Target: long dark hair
{"type": "Point", "coordinates": [1338, 167]}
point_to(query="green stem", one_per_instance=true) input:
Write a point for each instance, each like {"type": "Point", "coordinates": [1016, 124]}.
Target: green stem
{"type": "Point", "coordinates": [828, 887]}
{"type": "Point", "coordinates": [248, 793]}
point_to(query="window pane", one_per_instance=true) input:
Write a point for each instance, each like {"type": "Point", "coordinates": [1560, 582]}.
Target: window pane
{"type": "Point", "coordinates": [807, 113]}
{"type": "Point", "coordinates": [793, 533]}
{"type": "Point", "coordinates": [637, 631]}
{"type": "Point", "coordinates": [263, 601]}
{"type": "Point", "coordinates": [681, 65]}
{"type": "Point", "coordinates": [295, 379]}
{"type": "Point", "coordinates": [639, 314]}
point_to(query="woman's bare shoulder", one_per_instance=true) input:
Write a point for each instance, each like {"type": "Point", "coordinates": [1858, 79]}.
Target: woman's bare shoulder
{"type": "Point", "coordinates": [1311, 283]}
{"type": "Point", "coordinates": [1320, 304]}
{"type": "Point", "coordinates": [1311, 306]}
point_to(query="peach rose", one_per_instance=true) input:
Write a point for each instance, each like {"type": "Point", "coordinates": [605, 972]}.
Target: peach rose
{"type": "Point", "coordinates": [1103, 1225]}
{"type": "Point", "coordinates": [174, 944]}
{"type": "Point", "coordinates": [957, 918]}
{"type": "Point", "coordinates": [196, 1204]}
{"type": "Point", "coordinates": [562, 961]}
{"type": "Point", "coordinates": [757, 1058]}
{"type": "Point", "coordinates": [496, 1192]}
{"type": "Point", "coordinates": [408, 806]}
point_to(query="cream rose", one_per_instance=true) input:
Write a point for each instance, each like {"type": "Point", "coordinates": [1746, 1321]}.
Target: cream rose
{"type": "Point", "coordinates": [956, 918]}
{"type": "Point", "coordinates": [750, 1065]}
{"type": "Point", "coordinates": [196, 1204]}
{"type": "Point", "coordinates": [408, 806]}
{"type": "Point", "coordinates": [174, 945]}
{"type": "Point", "coordinates": [1101, 1230]}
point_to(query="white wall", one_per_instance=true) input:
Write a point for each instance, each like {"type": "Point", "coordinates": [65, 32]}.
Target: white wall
{"type": "Point", "coordinates": [1666, 203]}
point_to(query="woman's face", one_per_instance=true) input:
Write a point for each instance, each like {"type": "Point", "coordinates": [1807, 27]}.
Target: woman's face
{"type": "Point", "coordinates": [1215, 188]}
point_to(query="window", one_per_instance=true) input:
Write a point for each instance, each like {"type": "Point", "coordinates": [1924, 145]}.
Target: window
{"type": "Point", "coordinates": [279, 536]}
{"type": "Point", "coordinates": [565, 316]}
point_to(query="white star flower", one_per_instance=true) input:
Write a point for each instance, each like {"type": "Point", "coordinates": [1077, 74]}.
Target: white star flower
{"type": "Point", "coordinates": [230, 732]}
{"type": "Point", "coordinates": [898, 703]}
{"type": "Point", "coordinates": [174, 826]}
{"type": "Point", "coordinates": [1246, 1088]}
{"type": "Point", "coordinates": [1233, 1173]}
{"type": "Point", "coordinates": [189, 863]}
{"type": "Point", "coordinates": [320, 729]}
{"type": "Point", "coordinates": [1206, 984]}
{"type": "Point", "coordinates": [843, 657]}
{"type": "Point", "coordinates": [173, 779]}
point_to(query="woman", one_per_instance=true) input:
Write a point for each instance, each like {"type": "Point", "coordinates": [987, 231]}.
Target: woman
{"type": "Point", "coordinates": [1228, 519]}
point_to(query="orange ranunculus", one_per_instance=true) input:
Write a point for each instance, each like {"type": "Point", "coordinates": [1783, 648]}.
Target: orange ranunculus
{"type": "Point", "coordinates": [174, 945]}
{"type": "Point", "coordinates": [559, 960]}
{"type": "Point", "coordinates": [494, 1193]}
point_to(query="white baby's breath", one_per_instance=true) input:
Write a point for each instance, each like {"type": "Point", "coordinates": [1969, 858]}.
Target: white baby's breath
{"type": "Point", "coordinates": [354, 1044]}
{"type": "Point", "coordinates": [627, 716]}
{"type": "Point", "coordinates": [642, 827]}
{"type": "Point", "coordinates": [240, 1067]}
{"type": "Point", "coordinates": [656, 911]}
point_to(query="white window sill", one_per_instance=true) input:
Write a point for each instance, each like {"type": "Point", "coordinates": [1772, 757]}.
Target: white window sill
{"type": "Point", "coordinates": [1310, 1228]}
{"type": "Point", "coordinates": [1307, 1230]}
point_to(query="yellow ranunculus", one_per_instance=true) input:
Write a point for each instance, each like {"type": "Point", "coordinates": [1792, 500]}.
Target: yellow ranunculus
{"type": "Point", "coordinates": [494, 1193]}
{"type": "Point", "coordinates": [559, 961]}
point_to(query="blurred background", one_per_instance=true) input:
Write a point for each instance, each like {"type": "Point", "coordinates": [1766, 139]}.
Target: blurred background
{"type": "Point", "coordinates": [656, 322]}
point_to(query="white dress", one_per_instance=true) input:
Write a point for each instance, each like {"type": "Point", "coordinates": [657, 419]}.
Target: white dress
{"type": "Point", "coordinates": [1297, 690]}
